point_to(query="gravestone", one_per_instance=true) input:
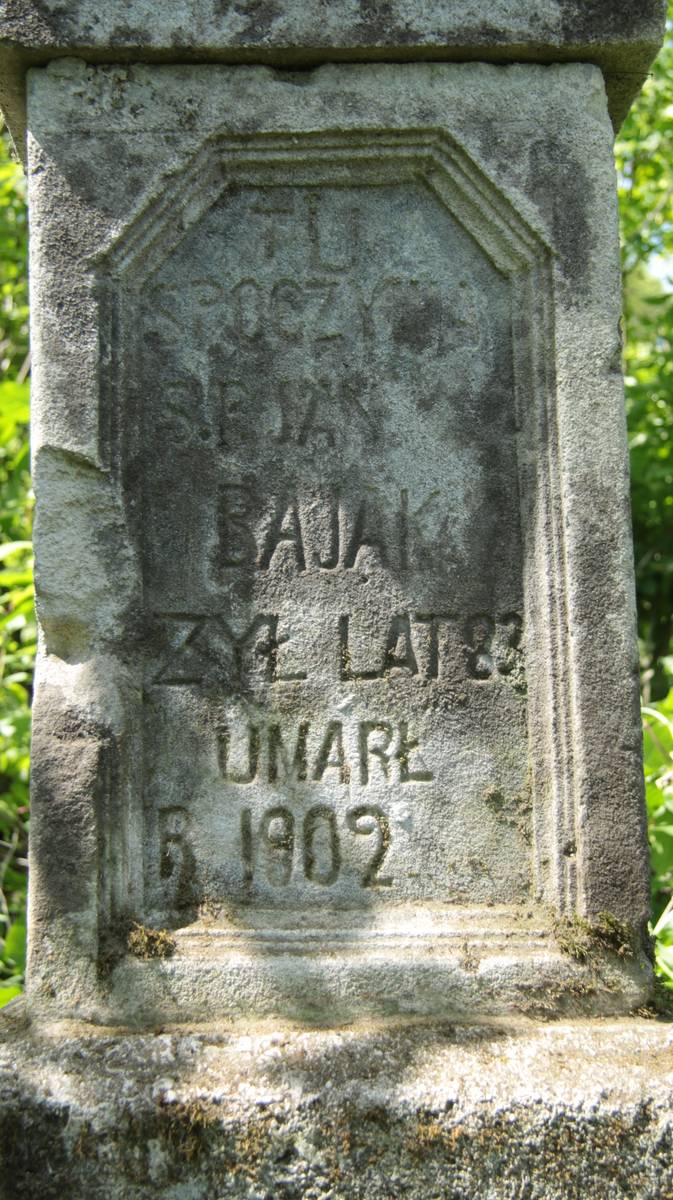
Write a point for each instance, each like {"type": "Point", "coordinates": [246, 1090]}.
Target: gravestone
{"type": "Point", "coordinates": [336, 718]}
{"type": "Point", "coordinates": [337, 702]}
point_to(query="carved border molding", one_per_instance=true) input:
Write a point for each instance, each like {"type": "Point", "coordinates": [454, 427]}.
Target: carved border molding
{"type": "Point", "coordinates": [373, 157]}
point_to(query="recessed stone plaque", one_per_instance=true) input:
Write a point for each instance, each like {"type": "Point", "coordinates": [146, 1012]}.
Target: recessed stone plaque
{"type": "Point", "coordinates": [334, 581]}
{"type": "Point", "coordinates": [335, 693]}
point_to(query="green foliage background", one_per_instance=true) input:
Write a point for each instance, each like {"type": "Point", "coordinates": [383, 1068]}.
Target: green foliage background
{"type": "Point", "coordinates": [17, 622]}
{"type": "Point", "coordinates": [644, 156]}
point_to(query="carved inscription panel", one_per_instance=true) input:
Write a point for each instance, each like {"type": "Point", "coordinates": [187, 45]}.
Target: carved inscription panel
{"type": "Point", "coordinates": [335, 688]}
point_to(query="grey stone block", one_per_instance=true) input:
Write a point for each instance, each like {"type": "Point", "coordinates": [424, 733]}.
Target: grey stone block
{"type": "Point", "coordinates": [439, 1112]}
{"type": "Point", "coordinates": [338, 682]}
{"type": "Point", "coordinates": [620, 36]}
{"type": "Point", "coordinates": [336, 723]}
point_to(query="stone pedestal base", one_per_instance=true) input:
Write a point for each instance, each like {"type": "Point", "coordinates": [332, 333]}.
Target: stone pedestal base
{"type": "Point", "coordinates": [516, 1110]}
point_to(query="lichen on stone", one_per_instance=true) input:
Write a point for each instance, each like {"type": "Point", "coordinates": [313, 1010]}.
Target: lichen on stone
{"type": "Point", "coordinates": [582, 939]}
{"type": "Point", "coordinates": [144, 942]}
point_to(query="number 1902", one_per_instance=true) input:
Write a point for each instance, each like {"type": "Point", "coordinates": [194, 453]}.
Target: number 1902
{"type": "Point", "coordinates": [281, 844]}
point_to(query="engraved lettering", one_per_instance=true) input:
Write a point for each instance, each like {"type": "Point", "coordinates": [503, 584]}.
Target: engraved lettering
{"type": "Point", "coordinates": [164, 306]}
{"type": "Point", "coordinates": [403, 529]}
{"type": "Point", "coordinates": [286, 306]}
{"type": "Point", "coordinates": [183, 664]}
{"type": "Point", "coordinates": [399, 652]}
{"type": "Point", "coordinates": [427, 646]}
{"type": "Point", "coordinates": [244, 755]}
{"type": "Point", "coordinates": [251, 648]}
{"type": "Point", "coordinates": [368, 819]}
{"type": "Point", "coordinates": [294, 767]}
{"type": "Point", "coordinates": [224, 755]}
{"type": "Point", "coordinates": [479, 635]}
{"type": "Point", "coordinates": [321, 846]}
{"type": "Point", "coordinates": [172, 828]}
{"type": "Point", "coordinates": [237, 544]}
{"type": "Point", "coordinates": [494, 646]}
{"type": "Point", "coordinates": [383, 730]}
{"type": "Point", "coordinates": [367, 532]}
{"type": "Point", "coordinates": [277, 675]}
{"type": "Point", "coordinates": [331, 539]}
{"type": "Point", "coordinates": [207, 648]}
{"type": "Point", "coordinates": [331, 754]}
{"type": "Point", "coordinates": [330, 560]}
{"type": "Point", "coordinates": [434, 623]}
{"type": "Point", "coordinates": [366, 536]}
{"type": "Point", "coordinates": [346, 667]}
{"type": "Point", "coordinates": [330, 296]}
{"type": "Point", "coordinates": [184, 418]}
{"type": "Point", "coordinates": [406, 745]}
{"type": "Point", "coordinates": [284, 531]}
{"type": "Point", "coordinates": [313, 426]}
{"type": "Point", "coordinates": [177, 868]}
{"type": "Point", "coordinates": [507, 652]}
{"type": "Point", "coordinates": [333, 247]}
{"type": "Point", "coordinates": [367, 309]}
{"type": "Point", "coordinates": [320, 828]}
{"type": "Point", "coordinates": [277, 841]}
{"type": "Point", "coordinates": [286, 433]}
{"type": "Point", "coordinates": [247, 850]}
{"type": "Point", "coordinates": [247, 308]}
{"type": "Point", "coordinates": [232, 400]}
{"type": "Point", "coordinates": [279, 204]}
{"type": "Point", "coordinates": [207, 292]}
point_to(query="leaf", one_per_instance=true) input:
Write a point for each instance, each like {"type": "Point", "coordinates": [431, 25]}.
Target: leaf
{"type": "Point", "coordinates": [10, 548]}
{"type": "Point", "coordinates": [14, 948]}
{"type": "Point", "coordinates": [664, 960]}
{"type": "Point", "coordinates": [14, 407]}
{"type": "Point", "coordinates": [9, 992]}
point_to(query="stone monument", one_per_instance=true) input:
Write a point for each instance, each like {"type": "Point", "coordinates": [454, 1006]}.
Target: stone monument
{"type": "Point", "coordinates": [336, 719]}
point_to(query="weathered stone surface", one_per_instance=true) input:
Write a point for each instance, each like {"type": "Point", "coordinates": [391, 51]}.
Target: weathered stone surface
{"type": "Point", "coordinates": [339, 679]}
{"type": "Point", "coordinates": [620, 36]}
{"type": "Point", "coordinates": [336, 718]}
{"type": "Point", "coordinates": [542, 1112]}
